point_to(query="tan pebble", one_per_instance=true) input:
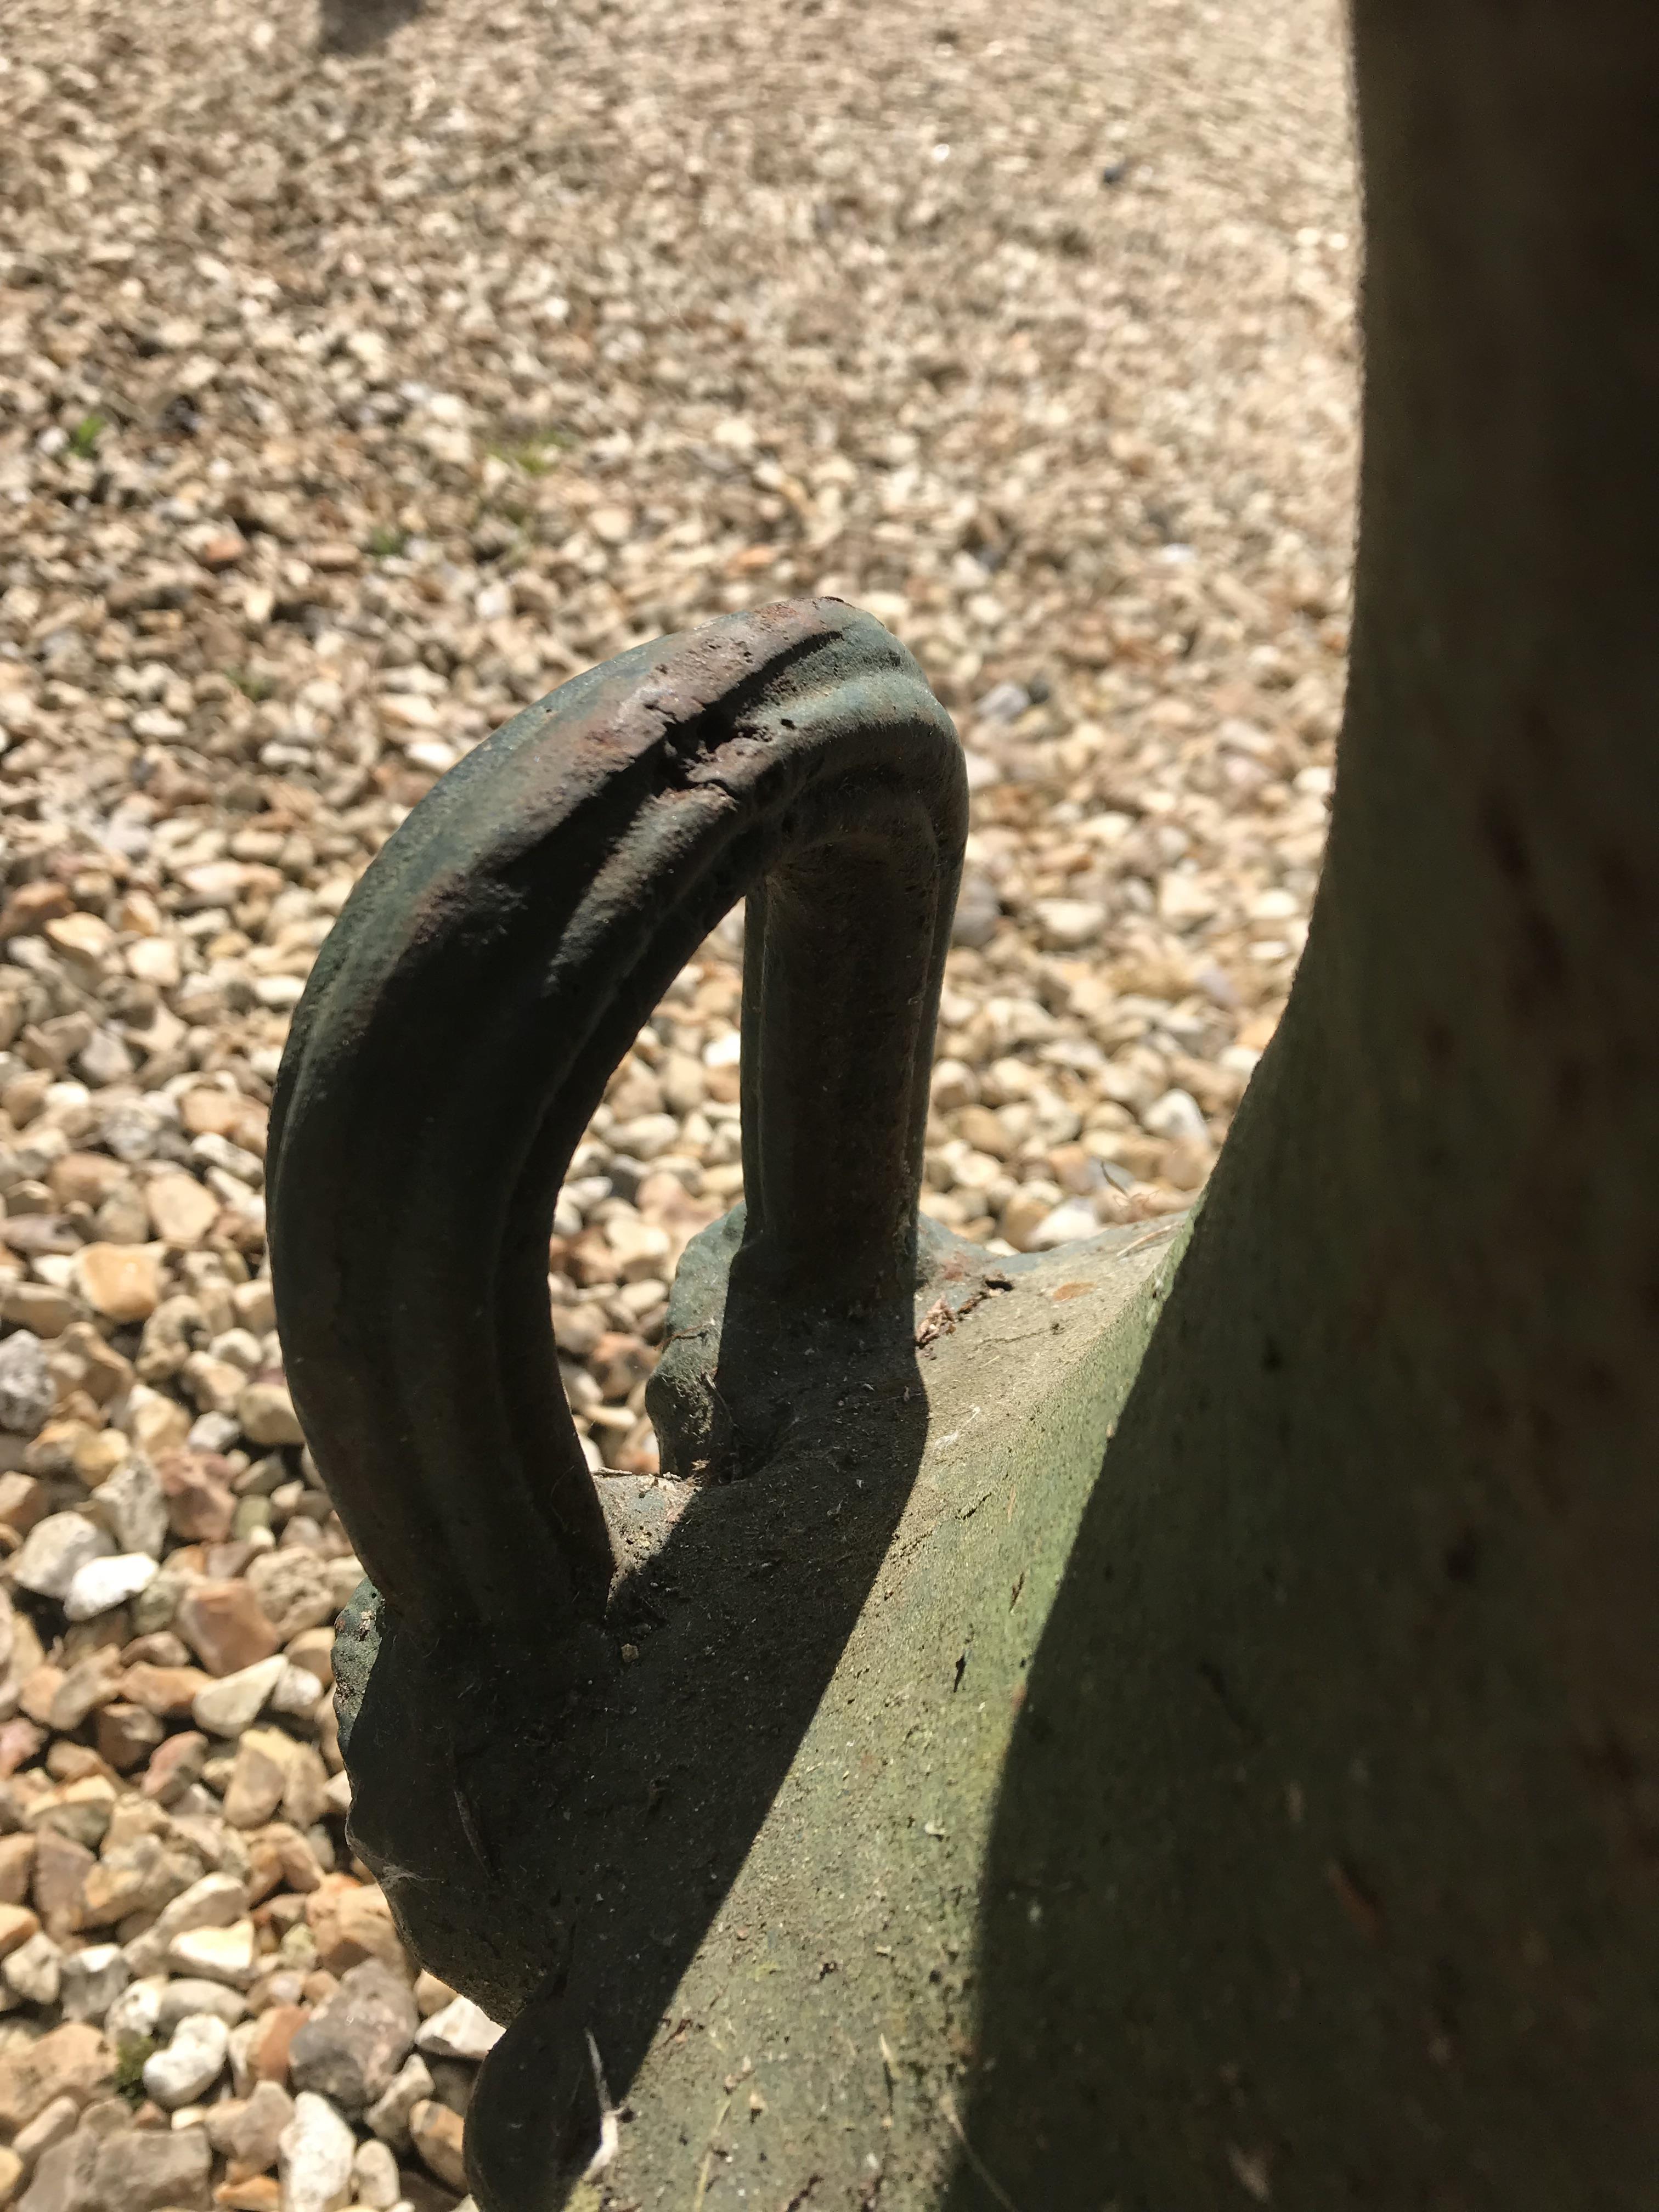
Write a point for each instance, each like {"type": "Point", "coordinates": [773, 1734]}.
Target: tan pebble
{"type": "Point", "coordinates": [96, 1457]}
{"type": "Point", "coordinates": [612, 525]}
{"type": "Point", "coordinates": [982, 1127]}
{"type": "Point", "coordinates": [215, 882]}
{"type": "Point", "coordinates": [665, 1203]}
{"type": "Point", "coordinates": [223, 1625]}
{"type": "Point", "coordinates": [268, 2058]}
{"type": "Point", "coordinates": [76, 1762]}
{"type": "Point", "coordinates": [437, 2134]}
{"type": "Point", "coordinates": [257, 2193]}
{"type": "Point", "coordinates": [40, 1306]}
{"type": "Point", "coordinates": [137, 910]}
{"type": "Point", "coordinates": [209, 1112]}
{"type": "Point", "coordinates": [53, 1450]}
{"type": "Point", "coordinates": [954, 1085]}
{"type": "Point", "coordinates": [17, 1924]}
{"type": "Point", "coordinates": [24, 1499]}
{"type": "Point", "coordinates": [62, 1868]}
{"type": "Point", "coordinates": [85, 939]}
{"type": "Point", "coordinates": [84, 1178]}
{"type": "Point", "coordinates": [20, 1741]}
{"type": "Point", "coordinates": [214, 1384]}
{"type": "Point", "coordinates": [1186, 1163]}
{"type": "Point", "coordinates": [634, 1090]}
{"type": "Point", "coordinates": [16, 1865]}
{"type": "Point", "coordinates": [1024, 1214]}
{"type": "Point", "coordinates": [155, 1421]}
{"type": "Point", "coordinates": [305, 1799]}
{"type": "Point", "coordinates": [724, 1080]}
{"type": "Point", "coordinates": [431, 1995]}
{"type": "Point", "coordinates": [235, 1702]}
{"type": "Point", "coordinates": [72, 2060]}
{"type": "Point", "coordinates": [223, 550]}
{"type": "Point", "coordinates": [32, 906]}
{"type": "Point", "coordinates": [314, 1650]}
{"type": "Point", "coordinates": [196, 1487]}
{"type": "Point", "coordinates": [640, 1247]}
{"type": "Point", "coordinates": [80, 1809]}
{"type": "Point", "coordinates": [182, 1209]}
{"type": "Point", "coordinates": [38, 1689]}
{"type": "Point", "coordinates": [592, 1260]}
{"type": "Point", "coordinates": [121, 1281]}
{"type": "Point", "coordinates": [266, 1412]}
{"type": "Point", "coordinates": [176, 1763]}
{"type": "Point", "coordinates": [351, 1920]}
{"type": "Point", "coordinates": [619, 1361]}
{"type": "Point", "coordinates": [167, 1692]}
{"type": "Point", "coordinates": [125, 1735]}
{"type": "Point", "coordinates": [259, 1777]}
{"type": "Point", "coordinates": [294, 1589]}
{"type": "Point", "coordinates": [408, 710]}
{"type": "Point", "coordinates": [1067, 924]}
{"type": "Point", "coordinates": [684, 1082]}
{"type": "Point", "coordinates": [47, 2129]}
{"type": "Point", "coordinates": [578, 1329]}
{"type": "Point", "coordinates": [154, 960]}
{"type": "Point", "coordinates": [251, 2130]}
{"type": "Point", "coordinates": [90, 1683]}
{"type": "Point", "coordinates": [255, 1305]}
{"type": "Point", "coordinates": [279, 1855]}
{"type": "Point", "coordinates": [1075, 1170]}
{"type": "Point", "coordinates": [218, 1955]}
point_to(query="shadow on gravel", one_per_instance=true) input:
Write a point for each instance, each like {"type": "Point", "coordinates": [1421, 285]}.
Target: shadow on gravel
{"type": "Point", "coordinates": [356, 27]}
{"type": "Point", "coordinates": [1099, 1867]}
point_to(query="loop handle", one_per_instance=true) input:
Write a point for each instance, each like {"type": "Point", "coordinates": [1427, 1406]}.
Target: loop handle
{"type": "Point", "coordinates": [483, 983]}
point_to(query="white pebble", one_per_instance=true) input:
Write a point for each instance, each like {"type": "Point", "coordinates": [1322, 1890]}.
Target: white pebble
{"type": "Point", "coordinates": [461, 2030]}
{"type": "Point", "coordinates": [192, 2062]}
{"type": "Point", "coordinates": [315, 2156]}
{"type": "Point", "coordinates": [102, 1585]}
{"type": "Point", "coordinates": [55, 1550]}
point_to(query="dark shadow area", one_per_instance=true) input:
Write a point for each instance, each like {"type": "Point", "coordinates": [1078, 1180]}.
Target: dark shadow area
{"type": "Point", "coordinates": [1115, 1877]}
{"type": "Point", "coordinates": [356, 26]}
{"type": "Point", "coordinates": [1297, 1890]}
{"type": "Point", "coordinates": [561, 1856]}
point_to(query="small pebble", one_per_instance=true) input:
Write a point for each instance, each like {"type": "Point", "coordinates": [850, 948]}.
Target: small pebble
{"type": "Point", "coordinates": [102, 1585]}
{"type": "Point", "coordinates": [316, 2150]}
{"type": "Point", "coordinates": [189, 2065]}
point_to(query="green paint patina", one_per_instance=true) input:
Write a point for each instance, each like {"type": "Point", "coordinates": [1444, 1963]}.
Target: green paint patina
{"type": "Point", "coordinates": [815, 2049]}
{"type": "Point", "coordinates": [821, 2027]}
{"type": "Point", "coordinates": [782, 1802]}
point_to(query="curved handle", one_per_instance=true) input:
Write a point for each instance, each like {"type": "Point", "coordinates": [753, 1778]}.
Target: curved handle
{"type": "Point", "coordinates": [482, 984]}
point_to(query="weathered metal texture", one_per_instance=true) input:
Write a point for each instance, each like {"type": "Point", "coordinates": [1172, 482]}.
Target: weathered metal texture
{"type": "Point", "coordinates": [480, 988]}
{"type": "Point", "coordinates": [788, 1824]}
{"type": "Point", "coordinates": [509, 1752]}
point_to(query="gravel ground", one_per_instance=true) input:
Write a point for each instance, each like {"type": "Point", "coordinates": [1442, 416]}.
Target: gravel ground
{"type": "Point", "coordinates": [348, 402]}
